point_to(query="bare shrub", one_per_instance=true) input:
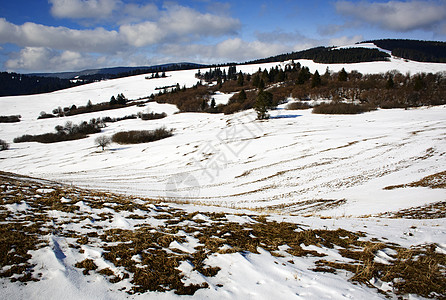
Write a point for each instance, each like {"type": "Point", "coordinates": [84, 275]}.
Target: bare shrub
{"type": "Point", "coordinates": [341, 109]}
{"type": "Point", "coordinates": [68, 132]}
{"type": "Point", "coordinates": [151, 116]}
{"type": "Point", "coordinates": [298, 105]}
{"type": "Point", "coordinates": [141, 136]}
{"type": "Point", "coordinates": [10, 119]}
{"type": "Point", "coordinates": [3, 145]}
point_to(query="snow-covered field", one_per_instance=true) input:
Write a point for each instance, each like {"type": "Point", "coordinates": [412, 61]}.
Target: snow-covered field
{"type": "Point", "coordinates": [298, 166]}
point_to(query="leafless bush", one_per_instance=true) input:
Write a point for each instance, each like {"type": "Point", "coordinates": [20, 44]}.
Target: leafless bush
{"type": "Point", "coordinates": [141, 136]}
{"type": "Point", "coordinates": [3, 145]}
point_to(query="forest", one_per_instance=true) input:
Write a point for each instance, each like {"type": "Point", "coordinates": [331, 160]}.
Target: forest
{"type": "Point", "coordinates": [14, 84]}
{"type": "Point", "coordinates": [424, 51]}
{"type": "Point", "coordinates": [390, 90]}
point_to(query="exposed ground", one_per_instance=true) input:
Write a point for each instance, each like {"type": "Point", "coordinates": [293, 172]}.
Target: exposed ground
{"type": "Point", "coordinates": [141, 245]}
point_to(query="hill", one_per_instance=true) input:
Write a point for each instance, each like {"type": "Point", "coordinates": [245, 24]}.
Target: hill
{"type": "Point", "coordinates": [14, 84]}
{"type": "Point", "coordinates": [424, 51]}
{"type": "Point", "coordinates": [331, 55]}
{"type": "Point", "coordinates": [118, 72]}
{"type": "Point", "coordinates": [228, 206]}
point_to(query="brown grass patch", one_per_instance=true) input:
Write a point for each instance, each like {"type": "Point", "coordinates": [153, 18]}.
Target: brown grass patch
{"type": "Point", "coordinates": [434, 181]}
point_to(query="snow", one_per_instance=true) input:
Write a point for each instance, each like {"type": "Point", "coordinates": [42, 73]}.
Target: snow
{"type": "Point", "coordinates": [221, 98]}
{"type": "Point", "coordinates": [293, 166]}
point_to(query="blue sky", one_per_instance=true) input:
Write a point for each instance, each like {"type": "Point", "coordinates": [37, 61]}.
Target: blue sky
{"type": "Point", "coordinates": [68, 35]}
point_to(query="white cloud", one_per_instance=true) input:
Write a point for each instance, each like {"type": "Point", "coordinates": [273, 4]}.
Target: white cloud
{"type": "Point", "coordinates": [40, 58]}
{"type": "Point", "coordinates": [280, 36]}
{"type": "Point", "coordinates": [176, 23]}
{"type": "Point", "coordinates": [396, 15]}
{"type": "Point", "coordinates": [83, 9]}
{"type": "Point", "coordinates": [345, 40]}
{"type": "Point", "coordinates": [49, 47]}
{"type": "Point", "coordinates": [183, 20]}
{"type": "Point", "coordinates": [61, 38]}
{"type": "Point", "coordinates": [233, 49]}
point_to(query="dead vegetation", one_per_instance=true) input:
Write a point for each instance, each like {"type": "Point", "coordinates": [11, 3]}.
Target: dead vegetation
{"type": "Point", "coordinates": [435, 210]}
{"type": "Point", "coordinates": [149, 256]}
{"type": "Point", "coordinates": [435, 181]}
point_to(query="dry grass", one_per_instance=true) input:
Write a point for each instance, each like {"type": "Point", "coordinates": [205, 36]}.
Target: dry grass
{"type": "Point", "coordinates": [435, 181]}
{"type": "Point", "coordinates": [417, 271]}
{"type": "Point", "coordinates": [435, 210]}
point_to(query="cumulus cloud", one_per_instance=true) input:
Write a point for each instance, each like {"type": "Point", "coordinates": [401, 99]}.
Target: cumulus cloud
{"type": "Point", "coordinates": [280, 36]}
{"type": "Point", "coordinates": [396, 15]}
{"type": "Point", "coordinates": [232, 49]}
{"type": "Point", "coordinates": [176, 23]}
{"type": "Point", "coordinates": [83, 9]}
{"type": "Point", "coordinates": [39, 58]}
{"type": "Point", "coordinates": [61, 38]}
{"type": "Point", "coordinates": [345, 40]}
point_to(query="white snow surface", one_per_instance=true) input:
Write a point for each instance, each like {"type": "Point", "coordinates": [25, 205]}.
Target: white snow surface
{"type": "Point", "coordinates": [235, 160]}
{"type": "Point", "coordinates": [293, 163]}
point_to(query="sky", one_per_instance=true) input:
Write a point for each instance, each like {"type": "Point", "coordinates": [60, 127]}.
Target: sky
{"type": "Point", "coordinates": [72, 35]}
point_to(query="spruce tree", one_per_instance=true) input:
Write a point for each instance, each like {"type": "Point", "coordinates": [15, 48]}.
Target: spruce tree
{"type": "Point", "coordinates": [240, 79]}
{"type": "Point", "coordinates": [342, 76]}
{"type": "Point", "coordinates": [316, 80]}
{"type": "Point", "coordinates": [264, 102]}
{"type": "Point", "coordinates": [242, 96]}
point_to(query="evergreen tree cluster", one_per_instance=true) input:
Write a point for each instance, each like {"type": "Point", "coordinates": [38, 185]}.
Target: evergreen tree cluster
{"type": "Point", "coordinates": [425, 51]}
{"type": "Point", "coordinates": [13, 84]}
{"type": "Point", "coordinates": [329, 55]}
{"type": "Point", "coordinates": [216, 74]}
{"type": "Point", "coordinates": [390, 90]}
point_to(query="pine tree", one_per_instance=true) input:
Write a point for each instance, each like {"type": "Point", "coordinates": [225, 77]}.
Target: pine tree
{"type": "Point", "coordinates": [120, 99]}
{"type": "Point", "coordinates": [304, 75]}
{"type": "Point", "coordinates": [240, 79]}
{"type": "Point", "coordinates": [256, 80]}
{"type": "Point", "coordinates": [342, 76]}
{"type": "Point", "coordinates": [264, 102]}
{"type": "Point", "coordinates": [242, 96]}
{"type": "Point", "coordinates": [316, 80]}
{"type": "Point", "coordinates": [261, 84]}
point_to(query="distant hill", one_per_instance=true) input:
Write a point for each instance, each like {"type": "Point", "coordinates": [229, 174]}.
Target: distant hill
{"type": "Point", "coordinates": [117, 72]}
{"type": "Point", "coordinates": [14, 84]}
{"type": "Point", "coordinates": [331, 55]}
{"type": "Point", "coordinates": [424, 51]}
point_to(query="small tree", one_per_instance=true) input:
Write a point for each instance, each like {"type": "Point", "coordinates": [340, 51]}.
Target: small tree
{"type": "Point", "coordinates": [113, 100]}
{"type": "Point", "coordinates": [242, 96]}
{"type": "Point", "coordinates": [240, 79]}
{"type": "Point", "coordinates": [342, 76]}
{"type": "Point", "coordinates": [264, 102]}
{"type": "Point", "coordinates": [316, 80]}
{"type": "Point", "coordinates": [102, 141]}
{"type": "Point", "coordinates": [121, 99]}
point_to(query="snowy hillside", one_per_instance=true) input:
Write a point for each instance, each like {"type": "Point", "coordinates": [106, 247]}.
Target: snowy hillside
{"type": "Point", "coordinates": [234, 160]}
{"type": "Point", "coordinates": [314, 171]}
